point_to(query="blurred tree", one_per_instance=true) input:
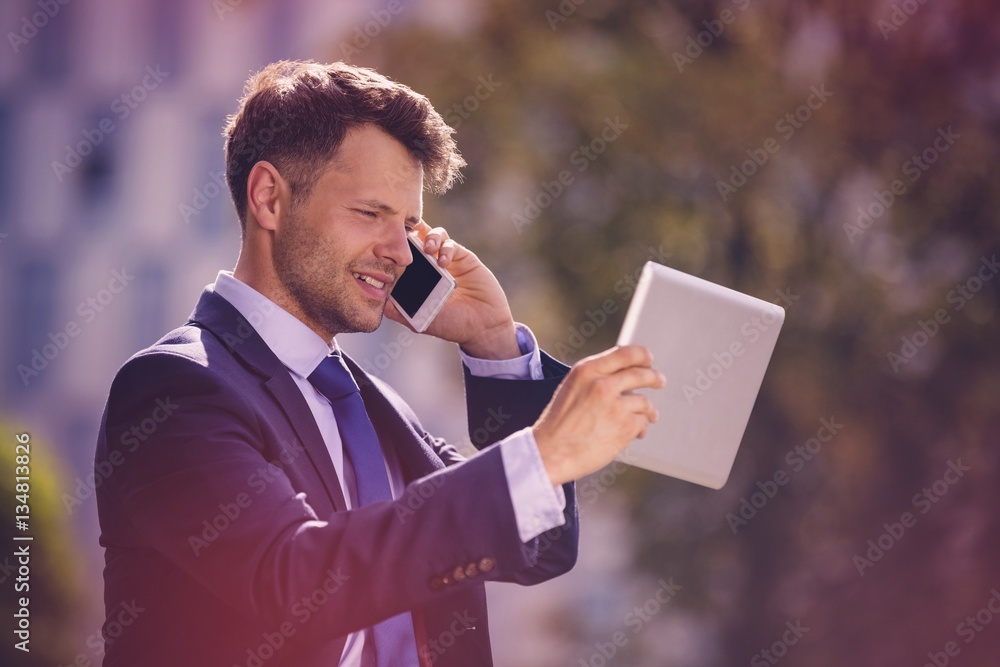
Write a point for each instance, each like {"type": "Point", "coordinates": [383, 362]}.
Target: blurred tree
{"type": "Point", "coordinates": [853, 97]}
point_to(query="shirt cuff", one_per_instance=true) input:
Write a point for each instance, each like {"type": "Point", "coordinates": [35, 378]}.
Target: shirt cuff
{"type": "Point", "coordinates": [526, 367]}
{"type": "Point", "coordinates": [538, 506]}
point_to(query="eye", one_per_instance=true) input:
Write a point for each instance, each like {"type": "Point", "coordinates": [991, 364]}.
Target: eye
{"type": "Point", "coordinates": [366, 213]}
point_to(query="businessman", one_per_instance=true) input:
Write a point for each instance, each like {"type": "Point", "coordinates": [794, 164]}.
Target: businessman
{"type": "Point", "coordinates": [272, 504]}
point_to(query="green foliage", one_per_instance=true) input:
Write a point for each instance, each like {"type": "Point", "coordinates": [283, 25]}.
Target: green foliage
{"type": "Point", "coordinates": [792, 226]}
{"type": "Point", "coordinates": [55, 586]}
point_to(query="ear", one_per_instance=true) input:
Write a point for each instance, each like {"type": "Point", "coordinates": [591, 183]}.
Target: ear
{"type": "Point", "coordinates": [267, 195]}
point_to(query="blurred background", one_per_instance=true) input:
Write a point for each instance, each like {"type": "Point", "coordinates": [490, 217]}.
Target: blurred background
{"type": "Point", "coordinates": [838, 158]}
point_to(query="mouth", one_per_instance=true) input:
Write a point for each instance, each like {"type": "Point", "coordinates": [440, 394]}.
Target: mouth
{"type": "Point", "coordinates": [375, 285]}
{"type": "Point", "coordinates": [374, 282]}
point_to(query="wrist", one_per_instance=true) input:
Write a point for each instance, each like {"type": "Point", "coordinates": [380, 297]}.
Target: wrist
{"type": "Point", "coordinates": [551, 462]}
{"type": "Point", "coordinates": [497, 343]}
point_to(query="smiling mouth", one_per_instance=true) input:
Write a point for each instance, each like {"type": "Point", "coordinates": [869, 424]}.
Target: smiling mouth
{"type": "Point", "coordinates": [378, 284]}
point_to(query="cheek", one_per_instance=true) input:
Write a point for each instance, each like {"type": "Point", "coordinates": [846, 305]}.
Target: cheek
{"type": "Point", "coordinates": [351, 243]}
{"type": "Point", "coordinates": [300, 252]}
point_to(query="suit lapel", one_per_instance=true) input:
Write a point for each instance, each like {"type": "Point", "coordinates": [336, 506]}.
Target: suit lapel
{"type": "Point", "coordinates": [221, 318]}
{"type": "Point", "coordinates": [415, 455]}
{"type": "Point", "coordinates": [288, 396]}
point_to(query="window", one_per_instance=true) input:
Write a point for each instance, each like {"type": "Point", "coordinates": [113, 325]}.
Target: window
{"type": "Point", "coordinates": [151, 282]}
{"type": "Point", "coordinates": [32, 322]}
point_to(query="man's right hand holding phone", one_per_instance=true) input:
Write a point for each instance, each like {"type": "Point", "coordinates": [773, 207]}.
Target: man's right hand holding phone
{"type": "Point", "coordinates": [477, 315]}
{"type": "Point", "coordinates": [594, 413]}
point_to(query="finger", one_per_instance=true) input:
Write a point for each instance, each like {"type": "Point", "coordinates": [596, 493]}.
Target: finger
{"type": "Point", "coordinates": [636, 377]}
{"type": "Point", "coordinates": [639, 428]}
{"type": "Point", "coordinates": [434, 239]}
{"type": "Point", "coordinates": [642, 407]}
{"type": "Point", "coordinates": [620, 357]}
{"type": "Point", "coordinates": [447, 253]}
{"type": "Point", "coordinates": [421, 229]}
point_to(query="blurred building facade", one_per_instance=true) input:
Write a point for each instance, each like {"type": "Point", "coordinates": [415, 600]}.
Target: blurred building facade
{"type": "Point", "coordinates": [116, 215]}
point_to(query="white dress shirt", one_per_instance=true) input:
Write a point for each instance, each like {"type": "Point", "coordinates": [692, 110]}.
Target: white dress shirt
{"type": "Point", "coordinates": [538, 506]}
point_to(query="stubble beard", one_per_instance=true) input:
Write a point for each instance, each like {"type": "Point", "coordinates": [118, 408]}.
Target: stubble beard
{"type": "Point", "coordinates": [319, 285]}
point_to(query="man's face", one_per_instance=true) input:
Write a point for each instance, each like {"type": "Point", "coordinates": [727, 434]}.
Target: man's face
{"type": "Point", "coordinates": [339, 253]}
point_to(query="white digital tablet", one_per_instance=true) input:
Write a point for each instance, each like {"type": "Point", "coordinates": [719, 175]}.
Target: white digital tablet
{"type": "Point", "coordinates": [713, 345]}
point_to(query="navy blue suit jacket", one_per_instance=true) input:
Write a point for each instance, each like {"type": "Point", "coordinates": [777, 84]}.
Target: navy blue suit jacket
{"type": "Point", "coordinates": [227, 540]}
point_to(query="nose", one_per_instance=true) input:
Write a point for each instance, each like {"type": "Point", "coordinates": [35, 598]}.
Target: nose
{"type": "Point", "coordinates": [395, 248]}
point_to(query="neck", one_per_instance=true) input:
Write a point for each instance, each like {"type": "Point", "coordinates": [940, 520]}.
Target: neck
{"type": "Point", "coordinates": [262, 277]}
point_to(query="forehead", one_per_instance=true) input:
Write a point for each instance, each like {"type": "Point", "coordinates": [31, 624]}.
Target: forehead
{"type": "Point", "coordinates": [372, 164]}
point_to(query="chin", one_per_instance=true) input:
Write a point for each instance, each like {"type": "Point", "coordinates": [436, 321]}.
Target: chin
{"type": "Point", "coordinates": [368, 327]}
{"type": "Point", "coordinates": [359, 324]}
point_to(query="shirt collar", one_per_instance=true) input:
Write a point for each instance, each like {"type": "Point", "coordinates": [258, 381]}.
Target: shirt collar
{"type": "Point", "coordinates": [297, 346]}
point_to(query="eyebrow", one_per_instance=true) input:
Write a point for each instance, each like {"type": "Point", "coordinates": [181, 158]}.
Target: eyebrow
{"type": "Point", "coordinates": [385, 208]}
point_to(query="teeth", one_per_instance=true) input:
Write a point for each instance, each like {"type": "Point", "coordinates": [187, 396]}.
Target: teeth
{"type": "Point", "coordinates": [371, 281]}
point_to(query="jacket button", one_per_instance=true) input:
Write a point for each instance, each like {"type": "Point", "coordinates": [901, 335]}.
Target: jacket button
{"type": "Point", "coordinates": [471, 570]}
{"type": "Point", "coordinates": [458, 574]}
{"type": "Point", "coordinates": [447, 580]}
{"type": "Point", "coordinates": [487, 564]}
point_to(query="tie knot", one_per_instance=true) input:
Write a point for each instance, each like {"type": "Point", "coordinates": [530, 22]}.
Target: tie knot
{"type": "Point", "coordinates": [333, 378]}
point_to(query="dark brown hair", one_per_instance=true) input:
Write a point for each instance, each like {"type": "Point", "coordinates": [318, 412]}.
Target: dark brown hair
{"type": "Point", "coordinates": [295, 114]}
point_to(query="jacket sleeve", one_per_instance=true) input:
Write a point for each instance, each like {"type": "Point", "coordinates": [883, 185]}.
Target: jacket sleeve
{"type": "Point", "coordinates": [499, 408]}
{"type": "Point", "coordinates": [195, 487]}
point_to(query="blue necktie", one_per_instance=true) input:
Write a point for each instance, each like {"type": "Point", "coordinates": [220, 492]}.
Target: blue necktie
{"type": "Point", "coordinates": [395, 643]}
